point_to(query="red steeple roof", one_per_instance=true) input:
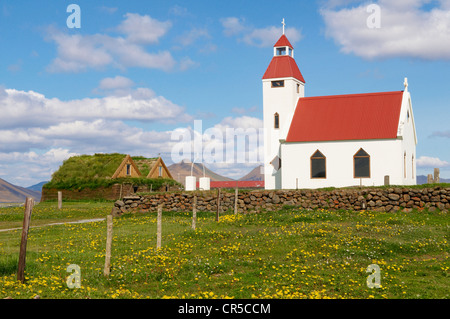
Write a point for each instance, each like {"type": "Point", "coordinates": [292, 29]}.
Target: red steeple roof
{"type": "Point", "coordinates": [283, 66]}
{"type": "Point", "coordinates": [283, 42]}
{"type": "Point", "coordinates": [346, 117]}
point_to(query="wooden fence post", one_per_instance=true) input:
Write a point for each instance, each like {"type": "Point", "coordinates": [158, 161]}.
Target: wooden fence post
{"type": "Point", "coordinates": [23, 244]}
{"type": "Point", "coordinates": [59, 199]}
{"type": "Point", "coordinates": [109, 230]}
{"type": "Point", "coordinates": [158, 228]}
{"type": "Point", "coordinates": [194, 212]}
{"type": "Point", "coordinates": [218, 204]}
{"type": "Point", "coordinates": [236, 192]}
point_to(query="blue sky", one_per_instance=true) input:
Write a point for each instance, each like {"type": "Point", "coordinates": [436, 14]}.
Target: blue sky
{"type": "Point", "coordinates": [135, 71]}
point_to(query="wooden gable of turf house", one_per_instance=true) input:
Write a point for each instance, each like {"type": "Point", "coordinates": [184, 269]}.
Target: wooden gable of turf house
{"type": "Point", "coordinates": [140, 167]}
{"type": "Point", "coordinates": [127, 168]}
{"type": "Point", "coordinates": [158, 169]}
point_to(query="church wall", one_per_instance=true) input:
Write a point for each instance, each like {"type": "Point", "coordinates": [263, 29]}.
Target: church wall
{"type": "Point", "coordinates": [282, 101]}
{"type": "Point", "coordinates": [385, 159]}
{"type": "Point", "coordinates": [408, 142]}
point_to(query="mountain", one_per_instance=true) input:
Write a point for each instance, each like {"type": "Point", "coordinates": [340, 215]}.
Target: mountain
{"type": "Point", "coordinates": [10, 193]}
{"type": "Point", "coordinates": [257, 174]}
{"type": "Point", "coordinates": [37, 187]}
{"type": "Point", "coordinates": [180, 170]}
{"type": "Point", "coordinates": [422, 179]}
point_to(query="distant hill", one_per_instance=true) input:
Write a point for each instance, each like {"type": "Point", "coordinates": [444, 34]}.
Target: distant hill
{"type": "Point", "coordinates": [180, 170]}
{"type": "Point", "coordinates": [422, 179]}
{"type": "Point", "coordinates": [10, 193]}
{"type": "Point", "coordinates": [37, 187]}
{"type": "Point", "coordinates": [256, 174]}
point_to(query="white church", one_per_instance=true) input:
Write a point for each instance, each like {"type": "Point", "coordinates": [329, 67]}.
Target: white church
{"type": "Point", "coordinates": [333, 141]}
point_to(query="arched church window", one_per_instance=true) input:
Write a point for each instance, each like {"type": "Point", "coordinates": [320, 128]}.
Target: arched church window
{"type": "Point", "coordinates": [361, 164]}
{"type": "Point", "coordinates": [276, 120]}
{"type": "Point", "coordinates": [318, 165]}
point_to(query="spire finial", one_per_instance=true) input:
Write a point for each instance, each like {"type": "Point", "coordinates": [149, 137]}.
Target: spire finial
{"type": "Point", "coordinates": [406, 83]}
{"type": "Point", "coordinates": [284, 24]}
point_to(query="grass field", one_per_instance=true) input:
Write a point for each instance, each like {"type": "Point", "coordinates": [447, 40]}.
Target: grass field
{"type": "Point", "coordinates": [291, 253]}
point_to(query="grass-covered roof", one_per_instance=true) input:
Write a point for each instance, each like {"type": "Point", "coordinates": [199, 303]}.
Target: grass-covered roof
{"type": "Point", "coordinates": [97, 166]}
{"type": "Point", "coordinates": [96, 170]}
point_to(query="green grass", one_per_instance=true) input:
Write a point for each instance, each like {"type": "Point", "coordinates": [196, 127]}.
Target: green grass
{"type": "Point", "coordinates": [291, 253]}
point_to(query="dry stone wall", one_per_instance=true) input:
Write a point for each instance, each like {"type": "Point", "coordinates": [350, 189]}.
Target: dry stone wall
{"type": "Point", "coordinates": [382, 200]}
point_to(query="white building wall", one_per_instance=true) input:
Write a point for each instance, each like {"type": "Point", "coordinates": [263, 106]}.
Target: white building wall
{"type": "Point", "coordinates": [385, 159]}
{"type": "Point", "coordinates": [407, 133]}
{"type": "Point", "coordinates": [282, 101]}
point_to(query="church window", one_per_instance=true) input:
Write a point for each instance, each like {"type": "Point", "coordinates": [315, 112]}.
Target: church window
{"type": "Point", "coordinates": [278, 84]}
{"type": "Point", "coordinates": [160, 171]}
{"type": "Point", "coordinates": [298, 88]}
{"type": "Point", "coordinates": [276, 120]}
{"type": "Point", "coordinates": [361, 164]}
{"type": "Point", "coordinates": [318, 165]}
{"type": "Point", "coordinates": [128, 169]}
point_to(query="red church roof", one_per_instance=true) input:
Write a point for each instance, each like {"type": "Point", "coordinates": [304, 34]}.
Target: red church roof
{"type": "Point", "coordinates": [283, 66]}
{"type": "Point", "coordinates": [283, 42]}
{"type": "Point", "coordinates": [346, 117]}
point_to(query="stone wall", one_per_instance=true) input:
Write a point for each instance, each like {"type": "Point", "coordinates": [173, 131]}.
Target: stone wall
{"type": "Point", "coordinates": [373, 199]}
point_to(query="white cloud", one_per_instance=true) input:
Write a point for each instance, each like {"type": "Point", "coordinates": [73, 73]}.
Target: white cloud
{"type": "Point", "coordinates": [189, 37]}
{"type": "Point", "coordinates": [406, 29]}
{"type": "Point", "coordinates": [441, 134]}
{"type": "Point", "coordinates": [117, 82]}
{"type": "Point", "coordinates": [187, 63]}
{"type": "Point", "coordinates": [143, 29]}
{"type": "Point", "coordinates": [78, 53]}
{"type": "Point", "coordinates": [243, 122]}
{"type": "Point", "coordinates": [140, 104]}
{"type": "Point", "coordinates": [431, 162]}
{"type": "Point", "coordinates": [267, 37]}
{"type": "Point", "coordinates": [232, 25]}
{"type": "Point", "coordinates": [260, 37]}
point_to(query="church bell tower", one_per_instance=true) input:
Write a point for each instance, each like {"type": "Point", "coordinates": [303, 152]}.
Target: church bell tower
{"type": "Point", "coordinates": [283, 85]}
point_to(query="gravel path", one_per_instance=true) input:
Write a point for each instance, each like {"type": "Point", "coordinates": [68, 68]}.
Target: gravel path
{"type": "Point", "coordinates": [82, 221]}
